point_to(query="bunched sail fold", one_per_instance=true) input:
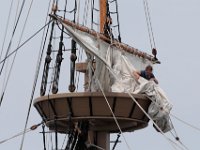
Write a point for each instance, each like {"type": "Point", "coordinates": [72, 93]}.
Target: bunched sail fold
{"type": "Point", "coordinates": [115, 63]}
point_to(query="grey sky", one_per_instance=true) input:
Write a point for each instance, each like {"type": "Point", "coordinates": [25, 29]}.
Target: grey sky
{"type": "Point", "coordinates": [176, 27]}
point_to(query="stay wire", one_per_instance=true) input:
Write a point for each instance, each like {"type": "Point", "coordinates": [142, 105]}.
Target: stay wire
{"type": "Point", "coordinates": [34, 127]}
{"type": "Point", "coordinates": [150, 22]}
{"type": "Point", "coordinates": [16, 13]}
{"type": "Point", "coordinates": [25, 42]}
{"type": "Point", "coordinates": [175, 134]}
{"type": "Point", "coordinates": [32, 94]}
{"type": "Point", "coordinates": [173, 144]}
{"type": "Point", "coordinates": [97, 147]}
{"type": "Point", "coordinates": [167, 138]}
{"type": "Point", "coordinates": [134, 100]}
{"type": "Point", "coordinates": [11, 67]}
{"type": "Point", "coordinates": [178, 140]}
{"type": "Point", "coordinates": [6, 31]}
{"type": "Point", "coordinates": [36, 73]}
{"type": "Point", "coordinates": [114, 117]}
{"type": "Point", "coordinates": [148, 25]}
{"type": "Point", "coordinates": [13, 33]}
{"type": "Point", "coordinates": [186, 123]}
{"type": "Point", "coordinates": [80, 54]}
{"type": "Point", "coordinates": [116, 141]}
{"type": "Point", "coordinates": [44, 136]}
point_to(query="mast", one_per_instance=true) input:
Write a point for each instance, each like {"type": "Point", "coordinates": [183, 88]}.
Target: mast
{"type": "Point", "coordinates": [85, 116]}
{"type": "Point", "coordinates": [101, 139]}
{"type": "Point", "coordinates": [103, 13]}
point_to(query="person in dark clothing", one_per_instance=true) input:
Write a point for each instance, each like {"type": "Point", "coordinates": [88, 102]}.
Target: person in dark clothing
{"type": "Point", "coordinates": [147, 74]}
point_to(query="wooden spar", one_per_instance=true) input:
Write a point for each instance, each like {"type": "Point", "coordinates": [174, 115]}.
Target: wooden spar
{"type": "Point", "coordinates": [115, 43]}
{"type": "Point", "coordinates": [103, 12]}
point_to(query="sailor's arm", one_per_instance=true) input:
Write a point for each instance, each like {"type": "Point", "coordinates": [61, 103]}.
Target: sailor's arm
{"type": "Point", "coordinates": [136, 74]}
{"type": "Point", "coordinates": [155, 80]}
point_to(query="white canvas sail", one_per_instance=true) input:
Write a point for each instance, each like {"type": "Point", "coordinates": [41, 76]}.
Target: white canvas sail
{"type": "Point", "coordinates": [114, 70]}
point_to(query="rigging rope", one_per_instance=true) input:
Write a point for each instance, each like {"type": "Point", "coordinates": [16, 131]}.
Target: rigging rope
{"type": "Point", "coordinates": [149, 24]}
{"type": "Point", "coordinates": [36, 78]}
{"type": "Point", "coordinates": [32, 128]}
{"type": "Point", "coordinates": [173, 144]}
{"type": "Point", "coordinates": [25, 42]}
{"type": "Point", "coordinates": [186, 123]}
{"type": "Point", "coordinates": [98, 147]}
{"type": "Point", "coordinates": [11, 67]}
{"type": "Point", "coordinates": [13, 33]}
{"type": "Point", "coordinates": [16, 13]}
{"type": "Point", "coordinates": [139, 107]}
{"type": "Point", "coordinates": [134, 100]}
{"type": "Point", "coordinates": [6, 31]}
{"type": "Point", "coordinates": [80, 54]}
{"type": "Point", "coordinates": [176, 137]}
{"type": "Point", "coordinates": [118, 20]}
{"type": "Point", "coordinates": [114, 117]}
{"type": "Point", "coordinates": [44, 139]}
{"type": "Point", "coordinates": [167, 138]}
{"type": "Point", "coordinates": [116, 141]}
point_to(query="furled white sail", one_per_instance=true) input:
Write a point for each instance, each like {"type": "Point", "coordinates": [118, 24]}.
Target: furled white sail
{"type": "Point", "coordinates": [114, 70]}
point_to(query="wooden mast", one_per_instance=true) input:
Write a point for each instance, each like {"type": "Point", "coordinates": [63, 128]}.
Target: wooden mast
{"type": "Point", "coordinates": [103, 13]}
{"type": "Point", "coordinates": [102, 139]}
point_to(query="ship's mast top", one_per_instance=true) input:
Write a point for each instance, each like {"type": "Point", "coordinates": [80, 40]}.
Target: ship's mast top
{"type": "Point", "coordinates": [103, 14]}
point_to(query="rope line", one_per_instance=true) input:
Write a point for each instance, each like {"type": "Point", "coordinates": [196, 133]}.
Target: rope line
{"type": "Point", "coordinates": [98, 147]}
{"type": "Point", "coordinates": [6, 31]}
{"type": "Point", "coordinates": [13, 33]}
{"type": "Point", "coordinates": [149, 24]}
{"type": "Point", "coordinates": [25, 42]}
{"type": "Point", "coordinates": [114, 117]}
{"type": "Point", "coordinates": [31, 99]}
{"type": "Point", "coordinates": [32, 128]}
{"type": "Point", "coordinates": [16, 13]}
{"type": "Point", "coordinates": [12, 64]}
{"type": "Point", "coordinates": [80, 54]}
{"type": "Point", "coordinates": [175, 134]}
{"type": "Point", "coordinates": [19, 48]}
{"type": "Point", "coordinates": [116, 78]}
{"type": "Point", "coordinates": [171, 141]}
{"type": "Point", "coordinates": [35, 79]}
{"type": "Point", "coordinates": [186, 123]}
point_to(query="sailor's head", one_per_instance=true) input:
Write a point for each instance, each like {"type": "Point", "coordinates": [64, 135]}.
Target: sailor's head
{"type": "Point", "coordinates": [149, 69]}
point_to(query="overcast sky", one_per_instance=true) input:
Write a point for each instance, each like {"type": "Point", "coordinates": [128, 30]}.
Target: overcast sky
{"type": "Point", "coordinates": [176, 25]}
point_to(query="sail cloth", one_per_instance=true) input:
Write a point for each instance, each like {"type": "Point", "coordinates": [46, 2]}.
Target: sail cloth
{"type": "Point", "coordinates": [114, 70]}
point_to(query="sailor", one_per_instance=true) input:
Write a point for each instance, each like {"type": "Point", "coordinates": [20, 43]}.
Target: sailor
{"type": "Point", "coordinates": [147, 74]}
